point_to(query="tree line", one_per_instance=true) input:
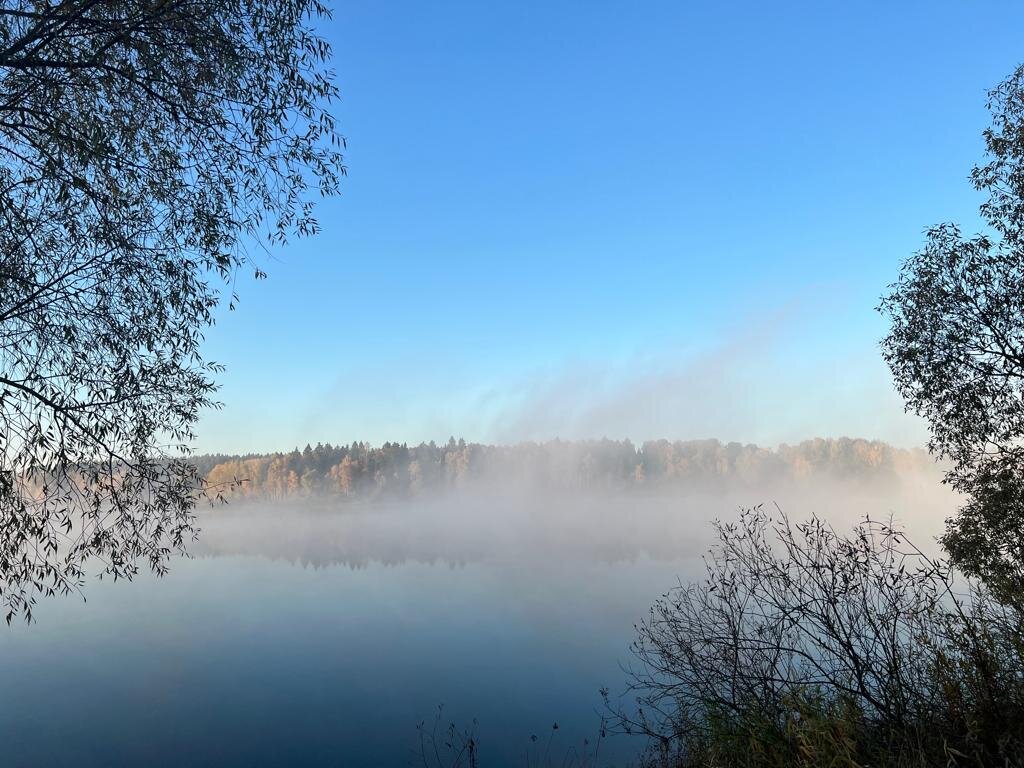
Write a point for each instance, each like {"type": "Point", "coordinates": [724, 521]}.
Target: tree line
{"type": "Point", "coordinates": [362, 471]}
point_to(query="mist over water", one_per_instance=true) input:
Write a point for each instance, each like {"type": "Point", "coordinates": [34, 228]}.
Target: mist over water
{"type": "Point", "coordinates": [504, 525]}
{"type": "Point", "coordinates": [318, 632]}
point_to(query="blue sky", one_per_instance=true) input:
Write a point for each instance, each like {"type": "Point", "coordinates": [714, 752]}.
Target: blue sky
{"type": "Point", "coordinates": [648, 219]}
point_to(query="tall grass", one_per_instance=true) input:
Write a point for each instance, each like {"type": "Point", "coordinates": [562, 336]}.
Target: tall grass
{"type": "Point", "coordinates": [447, 745]}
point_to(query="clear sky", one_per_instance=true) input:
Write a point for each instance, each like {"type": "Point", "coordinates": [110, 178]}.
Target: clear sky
{"type": "Point", "coordinates": [631, 219]}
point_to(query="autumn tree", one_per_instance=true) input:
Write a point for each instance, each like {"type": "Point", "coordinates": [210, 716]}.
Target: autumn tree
{"type": "Point", "coordinates": [149, 151]}
{"type": "Point", "coordinates": [956, 351]}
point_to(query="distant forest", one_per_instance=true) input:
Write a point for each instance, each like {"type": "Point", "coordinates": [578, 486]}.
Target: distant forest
{"type": "Point", "coordinates": [361, 472]}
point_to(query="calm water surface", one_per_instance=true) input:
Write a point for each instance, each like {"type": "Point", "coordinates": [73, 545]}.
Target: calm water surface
{"type": "Point", "coordinates": [295, 651]}
{"type": "Point", "coordinates": [324, 637]}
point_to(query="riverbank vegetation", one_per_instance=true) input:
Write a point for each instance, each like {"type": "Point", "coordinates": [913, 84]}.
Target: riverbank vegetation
{"type": "Point", "coordinates": [804, 646]}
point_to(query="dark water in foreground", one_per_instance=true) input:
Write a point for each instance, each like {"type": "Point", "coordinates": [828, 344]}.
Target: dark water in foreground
{"type": "Point", "coordinates": [323, 639]}
{"type": "Point", "coordinates": [244, 660]}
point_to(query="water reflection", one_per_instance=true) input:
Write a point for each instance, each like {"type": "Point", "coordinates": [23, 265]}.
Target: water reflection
{"type": "Point", "coordinates": [322, 637]}
{"type": "Point", "coordinates": [461, 529]}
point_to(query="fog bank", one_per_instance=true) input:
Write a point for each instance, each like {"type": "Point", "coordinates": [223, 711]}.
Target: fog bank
{"type": "Point", "coordinates": [530, 527]}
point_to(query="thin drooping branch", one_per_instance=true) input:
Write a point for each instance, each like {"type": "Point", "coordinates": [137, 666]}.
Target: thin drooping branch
{"type": "Point", "coordinates": [149, 149]}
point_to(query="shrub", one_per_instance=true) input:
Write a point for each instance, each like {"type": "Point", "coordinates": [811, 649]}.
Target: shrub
{"type": "Point", "coordinates": [806, 647]}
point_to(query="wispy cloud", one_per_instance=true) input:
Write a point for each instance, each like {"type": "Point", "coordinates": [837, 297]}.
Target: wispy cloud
{"type": "Point", "coordinates": [697, 392]}
{"type": "Point", "coordinates": [755, 382]}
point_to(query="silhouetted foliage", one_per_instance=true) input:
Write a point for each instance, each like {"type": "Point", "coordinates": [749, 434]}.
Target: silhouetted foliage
{"type": "Point", "coordinates": [803, 646]}
{"type": "Point", "coordinates": [986, 535]}
{"type": "Point", "coordinates": [451, 746]}
{"type": "Point", "coordinates": [447, 746]}
{"type": "Point", "coordinates": [956, 348]}
{"type": "Point", "coordinates": [147, 149]}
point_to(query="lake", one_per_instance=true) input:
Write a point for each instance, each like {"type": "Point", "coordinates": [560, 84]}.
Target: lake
{"type": "Point", "coordinates": [324, 636]}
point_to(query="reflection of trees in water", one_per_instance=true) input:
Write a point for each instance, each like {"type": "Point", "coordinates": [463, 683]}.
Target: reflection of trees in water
{"type": "Point", "coordinates": [319, 541]}
{"type": "Point", "coordinates": [323, 561]}
{"type": "Point", "coordinates": [308, 547]}
{"type": "Point", "coordinates": [459, 530]}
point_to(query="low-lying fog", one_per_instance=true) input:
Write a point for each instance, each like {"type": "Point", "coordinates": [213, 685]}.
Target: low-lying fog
{"type": "Point", "coordinates": [321, 631]}
{"type": "Point", "coordinates": [502, 525]}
